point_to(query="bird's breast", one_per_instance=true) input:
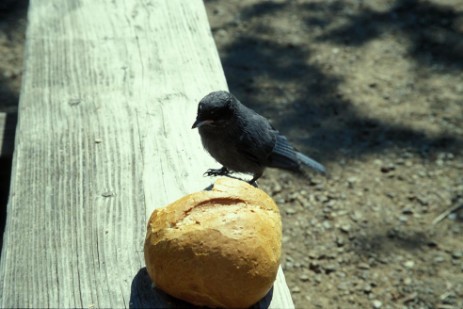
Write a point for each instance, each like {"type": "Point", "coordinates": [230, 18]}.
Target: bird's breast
{"type": "Point", "coordinates": [224, 147]}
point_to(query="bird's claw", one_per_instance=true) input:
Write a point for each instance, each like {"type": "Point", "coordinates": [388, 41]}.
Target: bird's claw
{"type": "Point", "coordinates": [253, 183]}
{"type": "Point", "coordinates": [216, 172]}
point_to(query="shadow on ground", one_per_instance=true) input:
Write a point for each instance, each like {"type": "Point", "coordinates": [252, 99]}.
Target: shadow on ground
{"type": "Point", "coordinates": [333, 125]}
{"type": "Point", "coordinates": [430, 28]}
{"type": "Point", "coordinates": [390, 241]}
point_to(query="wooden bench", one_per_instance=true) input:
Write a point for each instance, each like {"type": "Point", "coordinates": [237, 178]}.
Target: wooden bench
{"type": "Point", "coordinates": [109, 94]}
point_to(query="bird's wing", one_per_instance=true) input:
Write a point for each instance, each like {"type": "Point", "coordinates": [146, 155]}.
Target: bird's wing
{"type": "Point", "coordinates": [256, 138]}
{"type": "Point", "coordinates": [283, 154]}
{"type": "Point", "coordinates": [261, 143]}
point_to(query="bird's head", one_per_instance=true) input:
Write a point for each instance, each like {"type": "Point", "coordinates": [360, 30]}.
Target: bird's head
{"type": "Point", "coordinates": [215, 110]}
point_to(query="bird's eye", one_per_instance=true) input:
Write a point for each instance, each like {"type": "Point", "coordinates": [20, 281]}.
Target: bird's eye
{"type": "Point", "coordinates": [200, 107]}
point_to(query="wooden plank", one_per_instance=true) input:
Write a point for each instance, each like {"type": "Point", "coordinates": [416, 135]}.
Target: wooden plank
{"type": "Point", "coordinates": [108, 98]}
{"type": "Point", "coordinates": [7, 134]}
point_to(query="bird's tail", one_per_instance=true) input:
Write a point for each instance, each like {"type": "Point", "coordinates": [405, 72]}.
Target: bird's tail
{"type": "Point", "coordinates": [310, 163]}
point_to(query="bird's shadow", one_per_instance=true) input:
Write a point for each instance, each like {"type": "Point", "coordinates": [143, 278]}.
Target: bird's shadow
{"type": "Point", "coordinates": [145, 295]}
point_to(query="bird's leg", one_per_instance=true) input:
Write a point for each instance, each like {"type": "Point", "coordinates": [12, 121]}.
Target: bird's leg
{"type": "Point", "coordinates": [253, 181]}
{"type": "Point", "coordinates": [217, 172]}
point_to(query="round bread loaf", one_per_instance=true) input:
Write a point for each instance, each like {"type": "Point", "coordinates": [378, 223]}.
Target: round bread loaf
{"type": "Point", "coordinates": [217, 248]}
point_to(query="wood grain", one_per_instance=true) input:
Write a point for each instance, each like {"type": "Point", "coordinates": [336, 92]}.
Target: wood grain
{"type": "Point", "coordinates": [108, 99]}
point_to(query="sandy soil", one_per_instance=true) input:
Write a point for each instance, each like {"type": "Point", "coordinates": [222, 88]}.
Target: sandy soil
{"type": "Point", "coordinates": [372, 89]}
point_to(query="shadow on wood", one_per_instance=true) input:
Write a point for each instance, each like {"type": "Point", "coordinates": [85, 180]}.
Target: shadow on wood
{"type": "Point", "coordinates": [7, 135]}
{"type": "Point", "coordinates": [8, 123]}
{"type": "Point", "coordinates": [5, 176]}
{"type": "Point", "coordinates": [144, 295]}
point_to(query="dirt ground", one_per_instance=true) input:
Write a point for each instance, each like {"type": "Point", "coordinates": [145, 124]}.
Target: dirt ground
{"type": "Point", "coordinates": [373, 90]}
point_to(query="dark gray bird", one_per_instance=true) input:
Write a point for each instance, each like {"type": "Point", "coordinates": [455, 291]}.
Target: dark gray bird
{"type": "Point", "coordinates": [244, 141]}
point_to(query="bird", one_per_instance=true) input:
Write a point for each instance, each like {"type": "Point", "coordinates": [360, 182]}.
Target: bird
{"type": "Point", "coordinates": [243, 141]}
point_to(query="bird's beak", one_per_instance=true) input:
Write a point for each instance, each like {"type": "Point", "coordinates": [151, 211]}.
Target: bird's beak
{"type": "Point", "coordinates": [198, 123]}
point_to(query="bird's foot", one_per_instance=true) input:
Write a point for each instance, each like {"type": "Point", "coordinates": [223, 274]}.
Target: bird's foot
{"type": "Point", "coordinates": [253, 181]}
{"type": "Point", "coordinates": [217, 172]}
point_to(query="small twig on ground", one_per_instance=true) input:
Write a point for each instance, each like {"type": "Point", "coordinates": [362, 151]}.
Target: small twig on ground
{"type": "Point", "coordinates": [447, 212]}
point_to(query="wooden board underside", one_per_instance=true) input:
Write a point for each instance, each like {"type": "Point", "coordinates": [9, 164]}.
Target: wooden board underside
{"type": "Point", "coordinates": [108, 99]}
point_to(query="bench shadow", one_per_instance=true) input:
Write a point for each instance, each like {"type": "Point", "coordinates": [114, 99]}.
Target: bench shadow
{"type": "Point", "coordinates": [6, 151]}
{"type": "Point", "coordinates": [9, 134]}
{"type": "Point", "coordinates": [5, 176]}
{"type": "Point", "coordinates": [144, 295]}
{"type": "Point", "coordinates": [11, 13]}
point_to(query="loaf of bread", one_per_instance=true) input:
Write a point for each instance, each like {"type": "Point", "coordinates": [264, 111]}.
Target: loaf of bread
{"type": "Point", "coordinates": [217, 248]}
